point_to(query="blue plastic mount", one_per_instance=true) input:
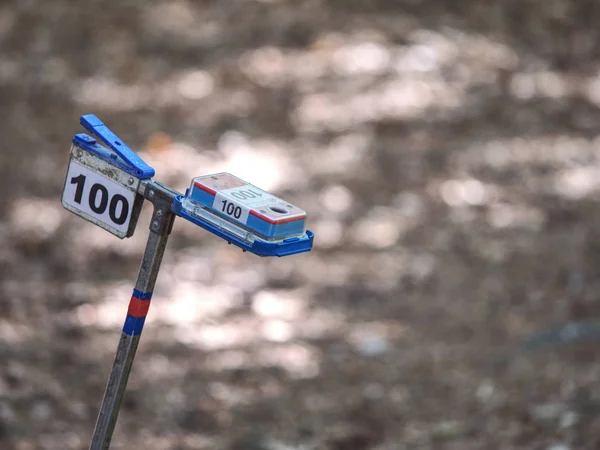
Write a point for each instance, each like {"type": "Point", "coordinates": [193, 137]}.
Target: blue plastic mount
{"type": "Point", "coordinates": [286, 247]}
{"type": "Point", "coordinates": [123, 156]}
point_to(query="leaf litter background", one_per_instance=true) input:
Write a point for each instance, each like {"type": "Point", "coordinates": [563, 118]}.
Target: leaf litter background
{"type": "Point", "coordinates": [448, 155]}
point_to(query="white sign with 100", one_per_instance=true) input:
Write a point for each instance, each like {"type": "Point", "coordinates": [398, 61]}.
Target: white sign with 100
{"type": "Point", "coordinates": [107, 202]}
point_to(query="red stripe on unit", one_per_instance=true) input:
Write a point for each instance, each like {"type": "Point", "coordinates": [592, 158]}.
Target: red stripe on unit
{"type": "Point", "coordinates": [277, 221]}
{"type": "Point", "coordinates": [138, 308]}
{"type": "Point", "coordinates": [205, 188]}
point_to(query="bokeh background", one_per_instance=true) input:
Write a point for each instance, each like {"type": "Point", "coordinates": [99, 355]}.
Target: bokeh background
{"type": "Point", "coordinates": [449, 158]}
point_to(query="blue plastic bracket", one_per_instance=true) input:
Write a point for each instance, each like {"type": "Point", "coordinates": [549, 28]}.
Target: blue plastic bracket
{"type": "Point", "coordinates": [286, 247]}
{"type": "Point", "coordinates": [127, 159]}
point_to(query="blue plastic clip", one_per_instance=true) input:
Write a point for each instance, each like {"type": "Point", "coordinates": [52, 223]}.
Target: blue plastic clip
{"type": "Point", "coordinates": [123, 156]}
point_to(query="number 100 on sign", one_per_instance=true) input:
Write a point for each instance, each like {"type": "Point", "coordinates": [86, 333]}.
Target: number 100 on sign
{"type": "Point", "coordinates": [99, 199]}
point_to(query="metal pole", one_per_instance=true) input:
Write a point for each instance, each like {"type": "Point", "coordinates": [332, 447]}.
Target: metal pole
{"type": "Point", "coordinates": [160, 227]}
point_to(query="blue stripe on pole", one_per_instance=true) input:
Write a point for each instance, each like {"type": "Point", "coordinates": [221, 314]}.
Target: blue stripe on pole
{"type": "Point", "coordinates": [142, 295]}
{"type": "Point", "coordinates": [133, 325]}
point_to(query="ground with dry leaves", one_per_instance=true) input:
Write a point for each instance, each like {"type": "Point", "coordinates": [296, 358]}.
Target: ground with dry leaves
{"type": "Point", "coordinates": [448, 155]}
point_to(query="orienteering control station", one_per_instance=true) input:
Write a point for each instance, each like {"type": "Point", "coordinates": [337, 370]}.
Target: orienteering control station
{"type": "Point", "coordinates": [107, 185]}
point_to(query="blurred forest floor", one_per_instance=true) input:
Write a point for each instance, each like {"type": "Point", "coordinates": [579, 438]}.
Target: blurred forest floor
{"type": "Point", "coordinates": [448, 155]}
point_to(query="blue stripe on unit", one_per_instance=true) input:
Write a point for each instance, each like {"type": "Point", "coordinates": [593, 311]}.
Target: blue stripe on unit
{"type": "Point", "coordinates": [142, 295]}
{"type": "Point", "coordinates": [272, 230]}
{"type": "Point", "coordinates": [133, 326]}
{"type": "Point", "coordinates": [202, 197]}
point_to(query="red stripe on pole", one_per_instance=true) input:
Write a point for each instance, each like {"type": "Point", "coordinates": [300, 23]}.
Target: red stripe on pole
{"type": "Point", "coordinates": [138, 308]}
